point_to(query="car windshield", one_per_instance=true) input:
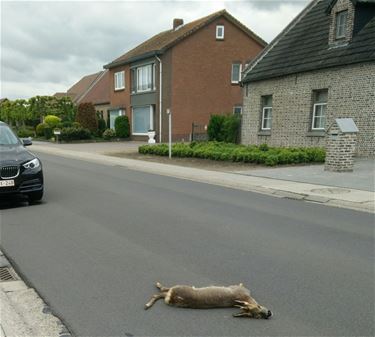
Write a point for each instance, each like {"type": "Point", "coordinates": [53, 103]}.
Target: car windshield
{"type": "Point", "coordinates": [7, 137]}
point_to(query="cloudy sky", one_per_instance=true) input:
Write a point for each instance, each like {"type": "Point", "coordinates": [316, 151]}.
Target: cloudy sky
{"type": "Point", "coordinates": [47, 46]}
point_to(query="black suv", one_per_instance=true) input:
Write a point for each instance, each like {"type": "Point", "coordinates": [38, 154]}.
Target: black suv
{"type": "Point", "coordinates": [20, 171]}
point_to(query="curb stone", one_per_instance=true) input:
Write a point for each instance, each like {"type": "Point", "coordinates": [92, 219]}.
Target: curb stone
{"type": "Point", "coordinates": [23, 312]}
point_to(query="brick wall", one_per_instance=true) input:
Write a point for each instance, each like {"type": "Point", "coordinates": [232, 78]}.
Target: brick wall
{"type": "Point", "coordinates": [340, 149]}
{"type": "Point", "coordinates": [201, 75]}
{"type": "Point", "coordinates": [350, 94]}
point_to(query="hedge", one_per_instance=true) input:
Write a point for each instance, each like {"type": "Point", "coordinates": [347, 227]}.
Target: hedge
{"type": "Point", "coordinates": [74, 134]}
{"type": "Point", "coordinates": [262, 154]}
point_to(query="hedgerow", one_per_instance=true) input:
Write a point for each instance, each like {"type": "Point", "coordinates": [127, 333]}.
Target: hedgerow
{"type": "Point", "coordinates": [262, 154]}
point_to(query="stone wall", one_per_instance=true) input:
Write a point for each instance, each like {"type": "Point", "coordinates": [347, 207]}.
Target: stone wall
{"type": "Point", "coordinates": [350, 94]}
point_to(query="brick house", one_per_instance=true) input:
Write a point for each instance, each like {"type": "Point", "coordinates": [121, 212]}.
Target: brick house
{"type": "Point", "coordinates": [320, 67]}
{"type": "Point", "coordinates": [98, 94]}
{"type": "Point", "coordinates": [91, 88]}
{"type": "Point", "coordinates": [193, 69]}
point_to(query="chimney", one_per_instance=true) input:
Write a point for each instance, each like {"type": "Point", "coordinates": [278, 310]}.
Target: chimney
{"type": "Point", "coordinates": [177, 23]}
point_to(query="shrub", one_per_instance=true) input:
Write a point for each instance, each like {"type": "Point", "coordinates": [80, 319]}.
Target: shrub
{"type": "Point", "coordinates": [75, 134]}
{"type": "Point", "coordinates": [86, 117]}
{"type": "Point", "coordinates": [65, 124]}
{"type": "Point", "coordinates": [25, 132]}
{"type": "Point", "coordinates": [52, 121]}
{"type": "Point", "coordinates": [109, 134]}
{"type": "Point", "coordinates": [102, 125]}
{"type": "Point", "coordinates": [231, 128]}
{"type": "Point", "coordinates": [39, 129]}
{"type": "Point", "coordinates": [47, 131]}
{"type": "Point", "coordinates": [215, 126]}
{"type": "Point", "coordinates": [224, 128]}
{"type": "Point", "coordinates": [122, 126]}
{"type": "Point", "coordinates": [263, 147]}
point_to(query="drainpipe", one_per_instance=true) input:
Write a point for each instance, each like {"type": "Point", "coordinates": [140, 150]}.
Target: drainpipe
{"type": "Point", "coordinates": [160, 94]}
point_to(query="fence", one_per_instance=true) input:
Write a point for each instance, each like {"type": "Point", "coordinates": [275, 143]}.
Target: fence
{"type": "Point", "coordinates": [198, 132]}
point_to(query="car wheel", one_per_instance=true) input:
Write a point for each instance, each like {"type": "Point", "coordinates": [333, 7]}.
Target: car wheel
{"type": "Point", "coordinates": [35, 196]}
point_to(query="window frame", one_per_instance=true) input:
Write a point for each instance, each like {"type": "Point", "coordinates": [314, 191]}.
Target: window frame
{"type": "Point", "coordinates": [116, 80]}
{"type": "Point", "coordinates": [339, 25]}
{"type": "Point", "coordinates": [136, 80]}
{"type": "Point", "coordinates": [239, 73]}
{"type": "Point", "coordinates": [220, 37]}
{"type": "Point", "coordinates": [318, 101]}
{"type": "Point", "coordinates": [320, 117]}
{"type": "Point", "coordinates": [269, 109]}
{"type": "Point", "coordinates": [236, 107]}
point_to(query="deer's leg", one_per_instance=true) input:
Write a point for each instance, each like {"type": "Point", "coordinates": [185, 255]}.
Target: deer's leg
{"type": "Point", "coordinates": [161, 288]}
{"type": "Point", "coordinates": [153, 299]}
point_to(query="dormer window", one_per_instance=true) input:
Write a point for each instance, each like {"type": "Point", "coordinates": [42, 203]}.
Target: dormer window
{"type": "Point", "coordinates": [219, 32]}
{"type": "Point", "coordinates": [342, 14]}
{"type": "Point", "coordinates": [341, 20]}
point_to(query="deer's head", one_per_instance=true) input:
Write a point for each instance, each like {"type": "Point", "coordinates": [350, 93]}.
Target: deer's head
{"type": "Point", "coordinates": [252, 310]}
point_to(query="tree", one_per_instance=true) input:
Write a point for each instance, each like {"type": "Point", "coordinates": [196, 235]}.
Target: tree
{"type": "Point", "coordinates": [86, 116]}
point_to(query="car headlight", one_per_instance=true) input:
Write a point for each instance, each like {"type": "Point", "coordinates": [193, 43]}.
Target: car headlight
{"type": "Point", "coordinates": [32, 164]}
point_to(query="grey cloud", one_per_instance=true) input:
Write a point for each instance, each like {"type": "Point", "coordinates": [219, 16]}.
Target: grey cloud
{"type": "Point", "coordinates": [56, 43]}
{"type": "Point", "coordinates": [269, 5]}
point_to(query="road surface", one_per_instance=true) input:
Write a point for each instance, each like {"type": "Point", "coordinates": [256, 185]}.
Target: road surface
{"type": "Point", "coordinates": [104, 234]}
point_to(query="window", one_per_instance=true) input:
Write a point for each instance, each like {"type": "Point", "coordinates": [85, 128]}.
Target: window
{"type": "Point", "coordinates": [341, 19]}
{"type": "Point", "coordinates": [143, 78]}
{"type": "Point", "coordinates": [237, 109]}
{"type": "Point", "coordinates": [120, 80]}
{"type": "Point", "coordinates": [319, 109]}
{"type": "Point", "coordinates": [266, 112]}
{"type": "Point", "coordinates": [236, 72]}
{"type": "Point", "coordinates": [219, 32]}
{"type": "Point", "coordinates": [143, 119]}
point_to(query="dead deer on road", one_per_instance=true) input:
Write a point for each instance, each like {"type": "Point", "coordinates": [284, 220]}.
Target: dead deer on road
{"type": "Point", "coordinates": [211, 297]}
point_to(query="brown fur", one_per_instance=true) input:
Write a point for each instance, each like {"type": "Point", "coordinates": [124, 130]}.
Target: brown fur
{"type": "Point", "coordinates": [211, 297]}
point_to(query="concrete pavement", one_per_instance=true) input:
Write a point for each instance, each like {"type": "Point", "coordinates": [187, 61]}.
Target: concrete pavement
{"type": "Point", "coordinates": [331, 196]}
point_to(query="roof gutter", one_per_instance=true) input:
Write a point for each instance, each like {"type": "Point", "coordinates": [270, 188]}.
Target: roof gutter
{"type": "Point", "coordinates": [133, 59]}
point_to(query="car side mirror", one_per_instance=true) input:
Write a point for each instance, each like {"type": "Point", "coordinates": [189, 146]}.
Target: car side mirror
{"type": "Point", "coordinates": [26, 142]}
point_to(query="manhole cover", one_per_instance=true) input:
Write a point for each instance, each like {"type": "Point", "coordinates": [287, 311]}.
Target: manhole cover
{"type": "Point", "coordinates": [330, 190]}
{"type": "Point", "coordinates": [7, 275]}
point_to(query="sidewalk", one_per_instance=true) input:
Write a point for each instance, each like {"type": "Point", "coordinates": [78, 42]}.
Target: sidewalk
{"type": "Point", "coordinates": [332, 196]}
{"type": "Point", "coordinates": [22, 311]}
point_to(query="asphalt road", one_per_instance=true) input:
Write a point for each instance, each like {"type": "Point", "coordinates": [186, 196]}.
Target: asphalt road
{"type": "Point", "coordinates": [104, 234]}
